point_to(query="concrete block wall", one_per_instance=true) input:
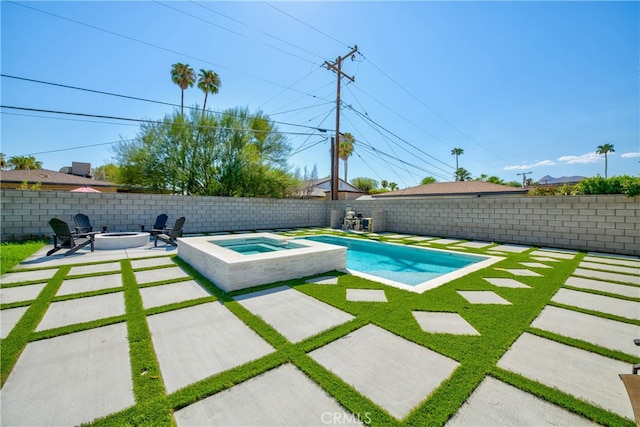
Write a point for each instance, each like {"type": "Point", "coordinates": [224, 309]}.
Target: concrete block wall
{"type": "Point", "coordinates": [25, 214]}
{"type": "Point", "coordinates": [592, 223]}
{"type": "Point", "coordinates": [607, 223]}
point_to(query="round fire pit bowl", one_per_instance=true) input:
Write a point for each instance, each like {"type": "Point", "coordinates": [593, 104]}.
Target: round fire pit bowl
{"type": "Point", "coordinates": [121, 240]}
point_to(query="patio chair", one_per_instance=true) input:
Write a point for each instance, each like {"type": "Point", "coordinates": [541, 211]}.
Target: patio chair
{"type": "Point", "coordinates": [83, 225]}
{"type": "Point", "coordinates": [169, 235]}
{"type": "Point", "coordinates": [160, 224]}
{"type": "Point", "coordinates": [632, 384]}
{"type": "Point", "coordinates": [63, 238]}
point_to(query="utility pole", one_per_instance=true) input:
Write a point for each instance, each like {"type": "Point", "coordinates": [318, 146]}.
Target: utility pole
{"type": "Point", "coordinates": [524, 176]}
{"type": "Point", "coordinates": [337, 67]}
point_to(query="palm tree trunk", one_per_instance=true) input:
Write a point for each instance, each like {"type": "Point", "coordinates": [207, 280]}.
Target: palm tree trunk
{"type": "Point", "coordinates": [605, 165]}
{"type": "Point", "coordinates": [205, 104]}
{"type": "Point", "coordinates": [182, 102]}
{"type": "Point", "coordinates": [345, 170]}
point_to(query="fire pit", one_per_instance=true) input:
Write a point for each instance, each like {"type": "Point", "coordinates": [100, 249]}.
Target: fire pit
{"type": "Point", "coordinates": [122, 240]}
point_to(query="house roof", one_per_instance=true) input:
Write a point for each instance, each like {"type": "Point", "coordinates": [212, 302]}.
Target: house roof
{"type": "Point", "coordinates": [45, 176]}
{"type": "Point", "coordinates": [458, 188]}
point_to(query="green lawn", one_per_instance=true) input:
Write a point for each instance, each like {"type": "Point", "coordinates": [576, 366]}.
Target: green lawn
{"type": "Point", "coordinates": [499, 326]}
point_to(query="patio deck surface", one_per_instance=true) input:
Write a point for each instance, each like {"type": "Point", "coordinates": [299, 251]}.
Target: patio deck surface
{"type": "Point", "coordinates": [78, 376]}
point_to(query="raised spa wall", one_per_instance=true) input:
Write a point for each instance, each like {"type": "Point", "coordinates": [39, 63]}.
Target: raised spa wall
{"type": "Point", "coordinates": [232, 271]}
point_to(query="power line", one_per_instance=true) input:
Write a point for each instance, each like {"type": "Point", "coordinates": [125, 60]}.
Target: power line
{"type": "Point", "coordinates": [78, 148]}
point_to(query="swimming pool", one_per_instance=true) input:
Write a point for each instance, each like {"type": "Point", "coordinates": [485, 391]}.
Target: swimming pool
{"type": "Point", "coordinates": [406, 267]}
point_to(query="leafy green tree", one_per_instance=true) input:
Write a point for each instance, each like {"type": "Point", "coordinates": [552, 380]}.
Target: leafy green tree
{"type": "Point", "coordinates": [24, 163]}
{"type": "Point", "coordinates": [457, 152]}
{"type": "Point", "coordinates": [109, 172]}
{"type": "Point", "coordinates": [184, 77]}
{"type": "Point", "coordinates": [495, 180]}
{"type": "Point", "coordinates": [604, 149]}
{"type": "Point", "coordinates": [428, 180]}
{"type": "Point", "coordinates": [364, 184]}
{"type": "Point", "coordinates": [462, 175]}
{"type": "Point", "coordinates": [512, 184]}
{"type": "Point", "coordinates": [208, 82]}
{"type": "Point", "coordinates": [345, 149]}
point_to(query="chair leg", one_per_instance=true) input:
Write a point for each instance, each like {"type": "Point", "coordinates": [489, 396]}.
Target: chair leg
{"type": "Point", "coordinates": [56, 248]}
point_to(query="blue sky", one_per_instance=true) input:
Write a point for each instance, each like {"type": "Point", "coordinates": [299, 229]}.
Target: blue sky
{"type": "Point", "coordinates": [519, 86]}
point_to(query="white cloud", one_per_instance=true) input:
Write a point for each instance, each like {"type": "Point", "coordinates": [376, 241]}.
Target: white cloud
{"type": "Point", "coordinates": [585, 158]}
{"type": "Point", "coordinates": [630, 155]}
{"type": "Point", "coordinates": [523, 167]}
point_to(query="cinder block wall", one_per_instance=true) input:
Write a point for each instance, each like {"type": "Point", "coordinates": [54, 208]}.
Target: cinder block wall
{"type": "Point", "coordinates": [25, 214]}
{"type": "Point", "coordinates": [592, 223]}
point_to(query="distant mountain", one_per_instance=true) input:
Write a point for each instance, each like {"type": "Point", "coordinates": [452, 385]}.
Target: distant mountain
{"type": "Point", "coordinates": [549, 180]}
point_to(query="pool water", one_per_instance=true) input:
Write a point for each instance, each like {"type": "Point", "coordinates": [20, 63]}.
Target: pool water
{"type": "Point", "coordinates": [404, 264]}
{"type": "Point", "coordinates": [254, 246]}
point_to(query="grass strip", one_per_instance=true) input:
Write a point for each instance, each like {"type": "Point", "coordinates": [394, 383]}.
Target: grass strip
{"type": "Point", "coordinates": [12, 254]}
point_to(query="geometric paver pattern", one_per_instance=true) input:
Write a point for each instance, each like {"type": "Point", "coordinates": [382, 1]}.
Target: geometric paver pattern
{"type": "Point", "coordinates": [157, 296]}
{"type": "Point", "coordinates": [610, 267]}
{"type": "Point", "coordinates": [600, 303]}
{"type": "Point", "coordinates": [160, 274]}
{"type": "Point", "coordinates": [520, 272]}
{"type": "Point", "coordinates": [596, 330]}
{"type": "Point", "coordinates": [87, 284]}
{"type": "Point", "coordinates": [603, 286]}
{"type": "Point", "coordinates": [92, 269]}
{"type": "Point", "coordinates": [405, 373]}
{"type": "Point", "coordinates": [295, 315]}
{"type": "Point", "coordinates": [444, 323]}
{"type": "Point", "coordinates": [196, 342]}
{"type": "Point", "coordinates": [614, 277]}
{"type": "Point", "coordinates": [152, 262]}
{"type": "Point", "coordinates": [28, 276]}
{"type": "Point", "coordinates": [96, 364]}
{"type": "Point", "coordinates": [63, 313]}
{"type": "Point", "coordinates": [9, 318]}
{"type": "Point", "coordinates": [483, 297]}
{"type": "Point", "coordinates": [495, 403]}
{"type": "Point", "coordinates": [283, 396]}
{"type": "Point", "coordinates": [21, 293]}
{"type": "Point", "coordinates": [511, 248]}
{"type": "Point", "coordinates": [580, 373]}
{"type": "Point", "coordinates": [506, 283]}
{"type": "Point", "coordinates": [366, 295]}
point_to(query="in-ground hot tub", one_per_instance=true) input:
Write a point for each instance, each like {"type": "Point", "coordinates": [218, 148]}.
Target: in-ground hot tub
{"type": "Point", "coordinates": [239, 261]}
{"type": "Point", "coordinates": [121, 240]}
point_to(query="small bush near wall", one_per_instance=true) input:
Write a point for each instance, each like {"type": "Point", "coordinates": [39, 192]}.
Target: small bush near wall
{"type": "Point", "coordinates": [623, 184]}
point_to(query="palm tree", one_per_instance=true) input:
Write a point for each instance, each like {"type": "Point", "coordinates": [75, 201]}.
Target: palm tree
{"type": "Point", "coordinates": [393, 186]}
{"type": "Point", "coordinates": [462, 174]}
{"type": "Point", "coordinates": [345, 149]}
{"type": "Point", "coordinates": [457, 152]}
{"type": "Point", "coordinates": [208, 82]}
{"type": "Point", "coordinates": [604, 149]}
{"type": "Point", "coordinates": [24, 163]}
{"type": "Point", "coordinates": [183, 76]}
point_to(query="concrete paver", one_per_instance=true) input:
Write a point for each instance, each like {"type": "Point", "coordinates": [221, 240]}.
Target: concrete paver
{"type": "Point", "coordinates": [553, 254]}
{"type": "Point", "coordinates": [80, 310]}
{"type": "Point", "coordinates": [618, 307]}
{"type": "Point", "coordinates": [600, 285]}
{"type": "Point", "coordinates": [444, 323]}
{"type": "Point", "coordinates": [506, 283]}
{"type": "Point", "coordinates": [283, 396]}
{"type": "Point", "coordinates": [152, 262]}
{"type": "Point", "coordinates": [520, 272]}
{"type": "Point", "coordinates": [420, 238]}
{"type": "Point", "coordinates": [196, 342]}
{"type": "Point", "coordinates": [580, 373]}
{"type": "Point", "coordinates": [474, 245]}
{"type": "Point", "coordinates": [596, 330]}
{"type": "Point", "coordinates": [405, 372]}
{"type": "Point", "coordinates": [366, 295]}
{"type": "Point", "coordinates": [614, 277]}
{"type": "Point", "coordinates": [511, 248]}
{"type": "Point", "coordinates": [70, 379]}
{"type": "Point", "coordinates": [28, 276]}
{"type": "Point", "coordinates": [495, 403]}
{"type": "Point", "coordinates": [87, 284]}
{"type": "Point", "coordinates": [324, 280]}
{"type": "Point", "coordinates": [483, 297]}
{"type": "Point", "coordinates": [629, 262]}
{"type": "Point", "coordinates": [535, 265]}
{"type": "Point", "coordinates": [159, 275]}
{"type": "Point", "coordinates": [446, 241]}
{"type": "Point", "coordinates": [545, 259]}
{"type": "Point", "coordinates": [94, 268]}
{"type": "Point", "coordinates": [21, 293]}
{"type": "Point", "coordinates": [9, 318]}
{"type": "Point", "coordinates": [295, 315]}
{"type": "Point", "coordinates": [157, 296]}
{"type": "Point", "coordinates": [610, 267]}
